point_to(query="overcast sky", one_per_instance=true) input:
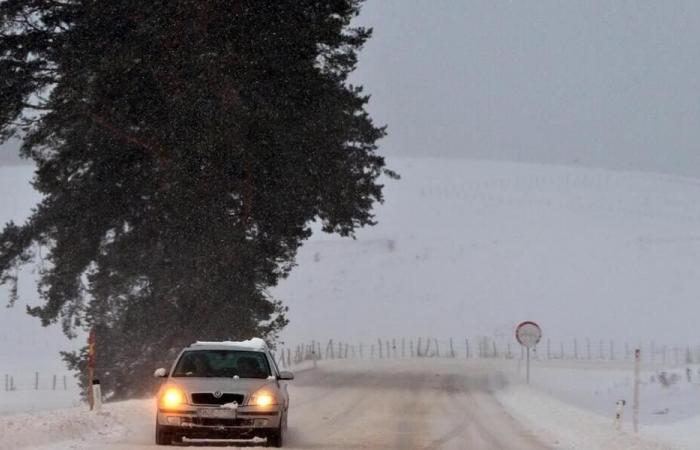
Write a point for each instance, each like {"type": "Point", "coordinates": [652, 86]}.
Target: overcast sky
{"type": "Point", "coordinates": [601, 83]}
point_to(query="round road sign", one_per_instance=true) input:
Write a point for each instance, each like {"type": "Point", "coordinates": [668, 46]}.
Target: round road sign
{"type": "Point", "coordinates": [528, 334]}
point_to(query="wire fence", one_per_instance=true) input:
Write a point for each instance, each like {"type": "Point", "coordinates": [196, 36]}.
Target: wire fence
{"type": "Point", "coordinates": [289, 356]}
{"type": "Point", "coordinates": [39, 382]}
{"type": "Point", "coordinates": [487, 348]}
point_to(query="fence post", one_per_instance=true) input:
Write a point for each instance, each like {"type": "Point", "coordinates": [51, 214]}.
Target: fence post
{"type": "Point", "coordinates": [664, 356]}
{"type": "Point", "coordinates": [549, 349]}
{"type": "Point", "coordinates": [612, 350]}
{"type": "Point", "coordinates": [281, 360]}
{"type": "Point", "coordinates": [12, 383]}
{"type": "Point", "coordinates": [588, 348]}
{"type": "Point", "coordinates": [393, 347]}
{"type": "Point", "coordinates": [36, 381]}
{"type": "Point", "coordinates": [7, 382]}
{"type": "Point", "coordinates": [53, 385]}
{"type": "Point", "coordinates": [388, 352]}
{"type": "Point", "coordinates": [437, 348]}
{"type": "Point", "coordinates": [361, 352]}
{"type": "Point", "coordinates": [65, 383]}
{"type": "Point", "coordinates": [426, 352]}
{"type": "Point", "coordinates": [452, 349]}
{"type": "Point", "coordinates": [411, 348]}
{"type": "Point", "coordinates": [418, 349]}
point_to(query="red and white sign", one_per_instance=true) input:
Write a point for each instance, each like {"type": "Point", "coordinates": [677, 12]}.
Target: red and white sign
{"type": "Point", "coordinates": [528, 334]}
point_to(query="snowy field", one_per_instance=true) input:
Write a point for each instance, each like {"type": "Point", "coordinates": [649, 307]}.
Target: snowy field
{"type": "Point", "coordinates": [466, 248]}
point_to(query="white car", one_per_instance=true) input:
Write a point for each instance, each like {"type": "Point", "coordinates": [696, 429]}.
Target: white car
{"type": "Point", "coordinates": [223, 390]}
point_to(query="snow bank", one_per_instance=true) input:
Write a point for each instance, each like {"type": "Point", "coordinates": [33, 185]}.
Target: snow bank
{"type": "Point", "coordinates": [684, 434]}
{"type": "Point", "coordinates": [597, 386]}
{"type": "Point", "coordinates": [76, 428]}
{"type": "Point", "coordinates": [576, 400]}
{"type": "Point", "coordinates": [568, 427]}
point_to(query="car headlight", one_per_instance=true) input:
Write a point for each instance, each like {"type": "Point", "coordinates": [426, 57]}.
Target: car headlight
{"type": "Point", "coordinates": [172, 398]}
{"type": "Point", "coordinates": [262, 398]}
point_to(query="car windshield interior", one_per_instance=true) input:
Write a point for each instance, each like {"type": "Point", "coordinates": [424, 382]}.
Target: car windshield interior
{"type": "Point", "coordinates": [222, 363]}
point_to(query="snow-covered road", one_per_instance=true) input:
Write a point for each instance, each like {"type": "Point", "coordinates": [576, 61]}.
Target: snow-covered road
{"type": "Point", "coordinates": [425, 404]}
{"type": "Point", "coordinates": [379, 404]}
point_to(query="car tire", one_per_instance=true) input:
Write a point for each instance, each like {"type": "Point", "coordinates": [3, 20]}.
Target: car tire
{"type": "Point", "coordinates": [163, 436]}
{"type": "Point", "coordinates": [276, 438]}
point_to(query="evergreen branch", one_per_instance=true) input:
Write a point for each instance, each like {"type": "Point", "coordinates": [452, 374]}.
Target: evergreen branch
{"type": "Point", "coordinates": [156, 149]}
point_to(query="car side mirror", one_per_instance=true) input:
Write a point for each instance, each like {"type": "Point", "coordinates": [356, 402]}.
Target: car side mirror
{"type": "Point", "coordinates": [286, 375]}
{"type": "Point", "coordinates": [160, 373]}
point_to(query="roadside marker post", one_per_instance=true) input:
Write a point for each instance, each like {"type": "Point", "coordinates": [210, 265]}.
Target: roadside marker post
{"type": "Point", "coordinates": [635, 401]}
{"type": "Point", "coordinates": [528, 334]}
{"type": "Point", "coordinates": [91, 367]}
{"type": "Point", "coordinates": [618, 414]}
{"type": "Point", "coordinates": [96, 395]}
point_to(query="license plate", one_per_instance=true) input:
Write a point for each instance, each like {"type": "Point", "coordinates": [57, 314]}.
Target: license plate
{"type": "Point", "coordinates": [218, 413]}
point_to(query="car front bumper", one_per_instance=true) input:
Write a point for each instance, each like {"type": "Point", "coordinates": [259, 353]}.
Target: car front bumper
{"type": "Point", "coordinates": [205, 422]}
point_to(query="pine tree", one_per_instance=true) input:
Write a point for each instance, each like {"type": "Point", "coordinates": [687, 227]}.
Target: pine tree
{"type": "Point", "coordinates": [183, 149]}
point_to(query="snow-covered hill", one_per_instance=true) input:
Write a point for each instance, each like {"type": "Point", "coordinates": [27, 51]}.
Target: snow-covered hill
{"type": "Point", "coordinates": [466, 248]}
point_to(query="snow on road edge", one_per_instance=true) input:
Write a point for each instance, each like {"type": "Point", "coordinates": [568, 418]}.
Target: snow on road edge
{"type": "Point", "coordinates": [75, 427]}
{"type": "Point", "coordinates": [565, 426]}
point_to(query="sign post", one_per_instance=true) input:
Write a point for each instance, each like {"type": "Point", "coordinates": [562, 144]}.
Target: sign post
{"type": "Point", "coordinates": [528, 334]}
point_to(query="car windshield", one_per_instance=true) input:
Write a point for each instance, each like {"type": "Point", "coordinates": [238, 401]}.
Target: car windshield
{"type": "Point", "coordinates": [222, 363]}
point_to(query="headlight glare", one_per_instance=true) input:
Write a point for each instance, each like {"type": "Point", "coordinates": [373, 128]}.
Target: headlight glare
{"type": "Point", "coordinates": [263, 398]}
{"type": "Point", "coordinates": [172, 398]}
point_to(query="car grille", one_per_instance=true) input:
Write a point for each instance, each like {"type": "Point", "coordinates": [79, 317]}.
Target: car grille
{"type": "Point", "coordinates": [217, 422]}
{"type": "Point", "coordinates": [206, 398]}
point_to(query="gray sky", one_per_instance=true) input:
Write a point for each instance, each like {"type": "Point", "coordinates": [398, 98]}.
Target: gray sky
{"type": "Point", "coordinates": [611, 84]}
